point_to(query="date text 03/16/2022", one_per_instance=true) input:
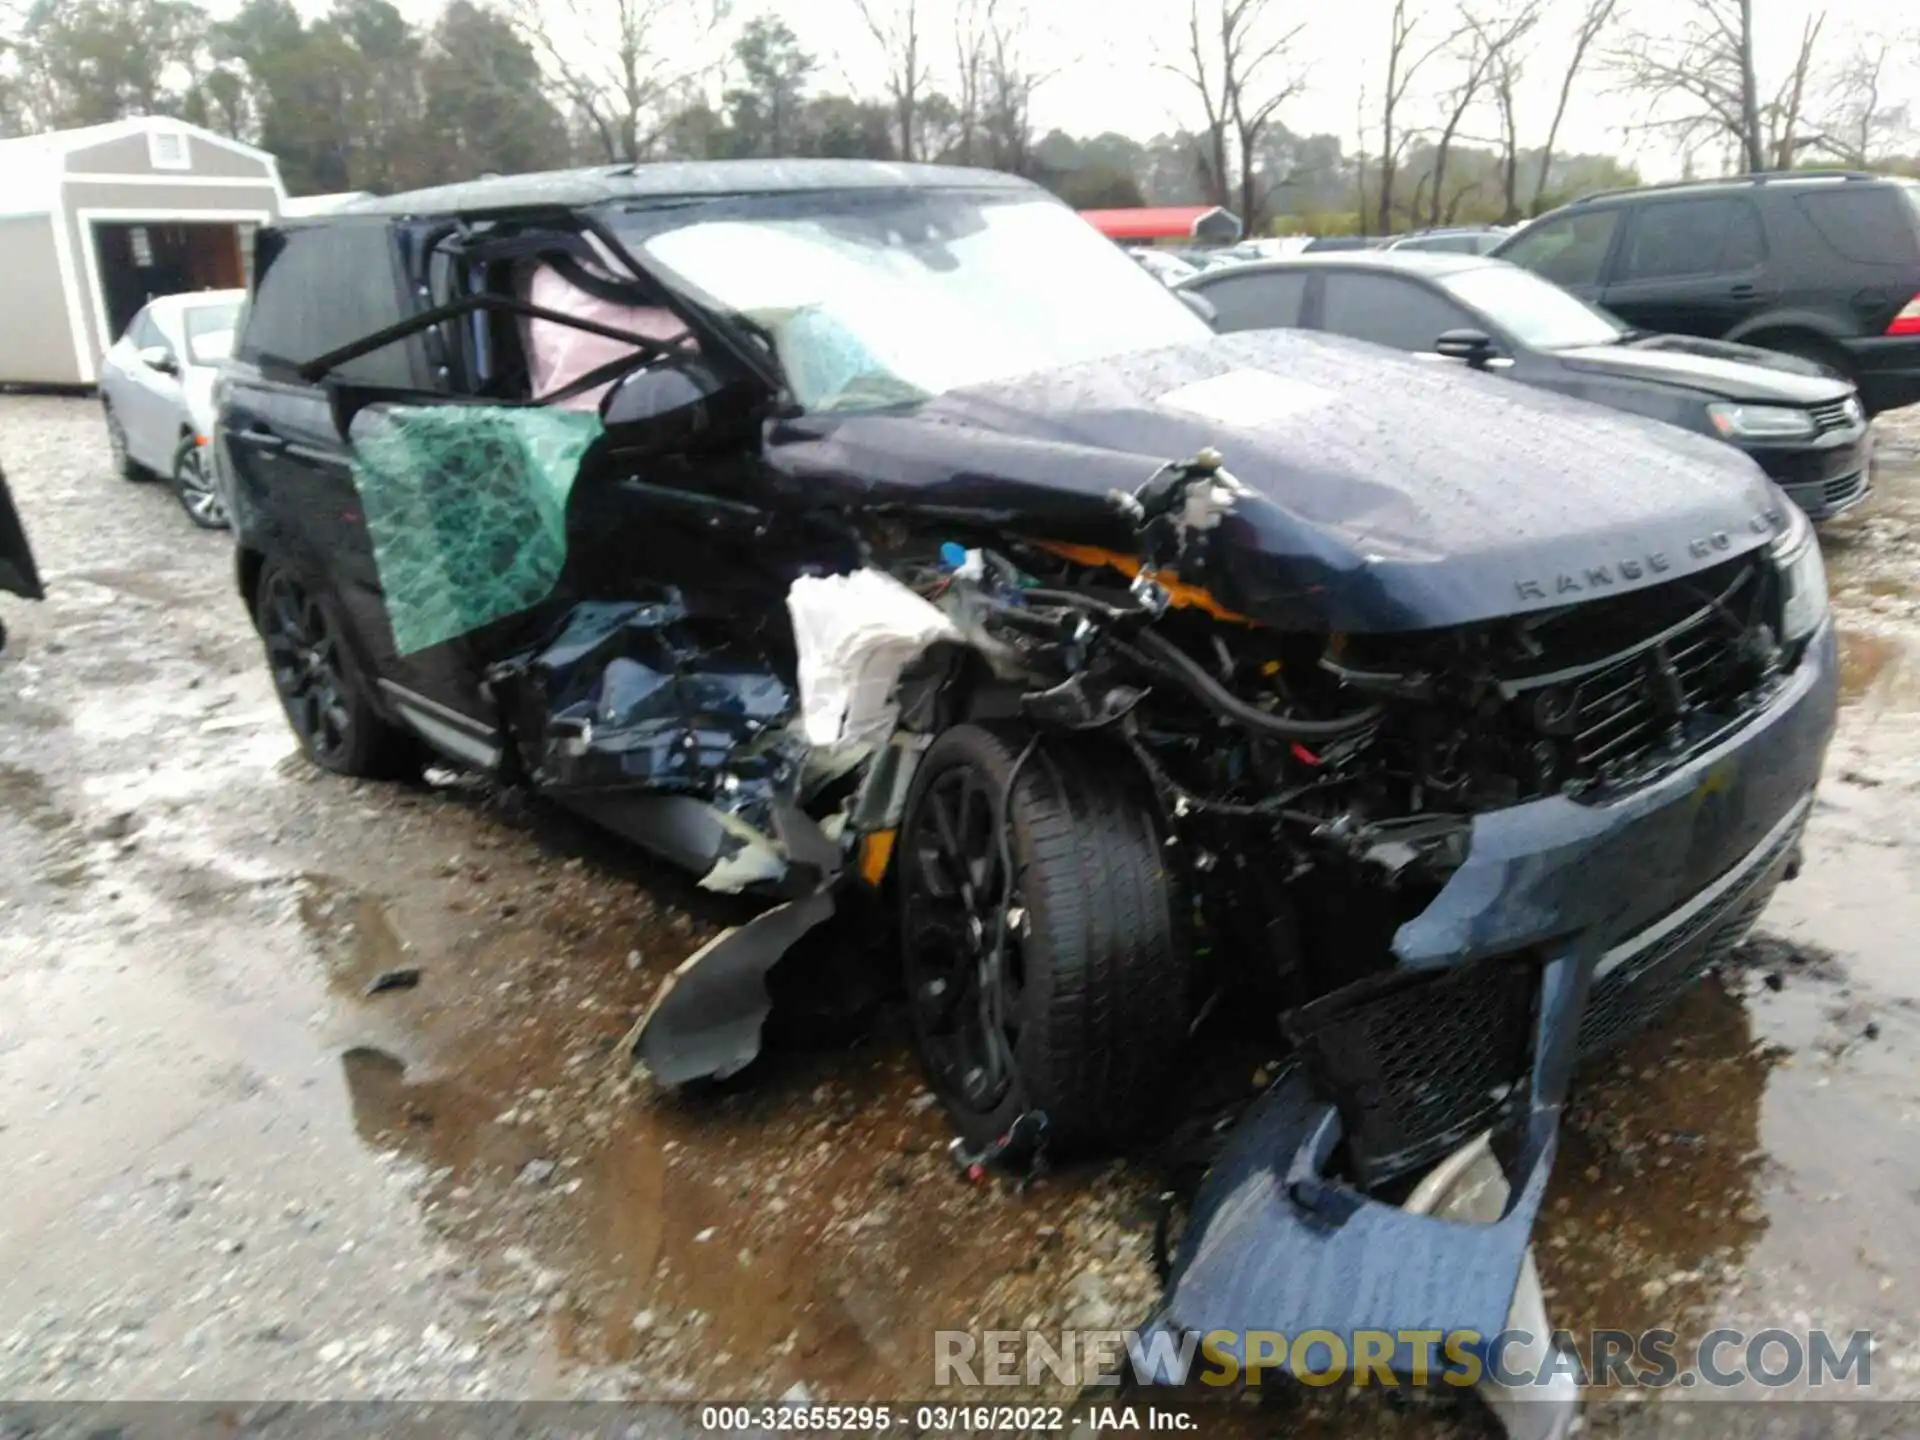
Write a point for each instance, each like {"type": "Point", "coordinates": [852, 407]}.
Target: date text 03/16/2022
{"type": "Point", "coordinates": [783, 1419]}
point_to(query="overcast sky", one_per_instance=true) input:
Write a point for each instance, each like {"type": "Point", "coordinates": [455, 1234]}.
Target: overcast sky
{"type": "Point", "coordinates": [1105, 60]}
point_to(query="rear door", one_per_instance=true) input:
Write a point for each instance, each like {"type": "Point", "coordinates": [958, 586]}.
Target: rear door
{"type": "Point", "coordinates": [1693, 265]}
{"type": "Point", "coordinates": [1388, 310]}
{"type": "Point", "coordinates": [1256, 299]}
{"type": "Point", "coordinates": [319, 288]}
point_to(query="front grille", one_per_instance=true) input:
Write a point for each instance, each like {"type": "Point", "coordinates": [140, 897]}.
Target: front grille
{"type": "Point", "coordinates": [1622, 711]}
{"type": "Point", "coordinates": [1651, 978]}
{"type": "Point", "coordinates": [1419, 1064]}
{"type": "Point", "coordinates": [1843, 489]}
{"type": "Point", "coordinates": [1689, 667]}
{"type": "Point", "coordinates": [1837, 415]}
{"type": "Point", "coordinates": [1827, 495]}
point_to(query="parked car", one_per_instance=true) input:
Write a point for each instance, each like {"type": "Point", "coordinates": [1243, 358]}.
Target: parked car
{"type": "Point", "coordinates": [18, 574]}
{"type": "Point", "coordinates": [1163, 265]}
{"type": "Point", "coordinates": [1320, 244]}
{"type": "Point", "coordinates": [1823, 265]}
{"type": "Point", "coordinates": [1459, 239]}
{"type": "Point", "coordinates": [920, 547]}
{"type": "Point", "coordinates": [1803, 424]}
{"type": "Point", "coordinates": [156, 384]}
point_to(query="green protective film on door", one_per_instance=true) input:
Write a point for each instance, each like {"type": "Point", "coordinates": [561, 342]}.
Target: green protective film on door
{"type": "Point", "coordinates": [466, 506]}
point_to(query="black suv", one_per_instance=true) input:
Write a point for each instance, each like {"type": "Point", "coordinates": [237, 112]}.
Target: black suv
{"type": "Point", "coordinates": [1824, 265]}
{"type": "Point", "coordinates": [865, 535]}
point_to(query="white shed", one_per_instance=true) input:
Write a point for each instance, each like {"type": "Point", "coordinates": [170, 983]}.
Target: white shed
{"type": "Point", "coordinates": [96, 222]}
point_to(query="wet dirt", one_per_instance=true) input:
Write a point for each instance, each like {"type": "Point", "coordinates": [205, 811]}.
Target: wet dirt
{"type": "Point", "coordinates": [460, 1188]}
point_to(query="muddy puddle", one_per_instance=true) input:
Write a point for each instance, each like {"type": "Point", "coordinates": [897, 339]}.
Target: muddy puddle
{"type": "Point", "coordinates": [802, 1225]}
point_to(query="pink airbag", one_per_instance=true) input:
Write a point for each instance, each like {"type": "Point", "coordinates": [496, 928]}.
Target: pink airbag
{"type": "Point", "coordinates": [557, 354]}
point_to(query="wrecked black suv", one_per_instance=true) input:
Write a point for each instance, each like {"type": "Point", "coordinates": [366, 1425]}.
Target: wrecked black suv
{"type": "Point", "coordinates": [829, 525]}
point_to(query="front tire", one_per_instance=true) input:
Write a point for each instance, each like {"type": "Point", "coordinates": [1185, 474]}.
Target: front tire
{"type": "Point", "coordinates": [1089, 1002]}
{"type": "Point", "coordinates": [194, 486]}
{"type": "Point", "coordinates": [320, 687]}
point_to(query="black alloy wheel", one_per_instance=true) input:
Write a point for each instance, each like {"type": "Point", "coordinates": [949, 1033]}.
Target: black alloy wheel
{"type": "Point", "coordinates": [964, 964]}
{"type": "Point", "coordinates": [304, 655]}
{"type": "Point", "coordinates": [1043, 956]}
{"type": "Point", "coordinates": [320, 687]}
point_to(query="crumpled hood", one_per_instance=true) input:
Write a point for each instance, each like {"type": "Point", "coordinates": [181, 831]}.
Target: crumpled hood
{"type": "Point", "coordinates": [1382, 493]}
{"type": "Point", "coordinates": [1714, 367]}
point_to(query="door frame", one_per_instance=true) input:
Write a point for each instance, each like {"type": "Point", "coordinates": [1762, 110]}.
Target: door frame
{"type": "Point", "coordinates": [85, 217]}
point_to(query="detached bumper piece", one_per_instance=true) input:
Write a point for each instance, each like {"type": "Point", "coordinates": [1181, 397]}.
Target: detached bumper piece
{"type": "Point", "coordinates": [1274, 1245]}
{"type": "Point", "coordinates": [1419, 1062]}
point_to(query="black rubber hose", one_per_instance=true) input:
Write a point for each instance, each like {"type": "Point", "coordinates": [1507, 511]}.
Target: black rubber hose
{"type": "Point", "coordinates": [1219, 698]}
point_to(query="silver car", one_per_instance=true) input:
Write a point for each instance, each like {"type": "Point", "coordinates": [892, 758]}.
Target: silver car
{"type": "Point", "coordinates": [157, 386]}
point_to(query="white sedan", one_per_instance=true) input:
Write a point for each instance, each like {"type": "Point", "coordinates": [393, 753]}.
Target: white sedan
{"type": "Point", "coordinates": [157, 386]}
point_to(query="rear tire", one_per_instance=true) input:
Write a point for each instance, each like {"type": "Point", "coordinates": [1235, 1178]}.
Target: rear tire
{"type": "Point", "coordinates": [321, 689]}
{"type": "Point", "coordinates": [1093, 991]}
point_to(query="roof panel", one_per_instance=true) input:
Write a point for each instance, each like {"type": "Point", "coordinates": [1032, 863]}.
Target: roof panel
{"type": "Point", "coordinates": [676, 178]}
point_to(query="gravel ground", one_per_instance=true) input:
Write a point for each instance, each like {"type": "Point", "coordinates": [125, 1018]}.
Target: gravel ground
{"type": "Point", "coordinates": [237, 1176]}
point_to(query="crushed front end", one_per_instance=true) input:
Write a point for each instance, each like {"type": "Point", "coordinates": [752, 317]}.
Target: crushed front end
{"type": "Point", "coordinates": [1452, 860]}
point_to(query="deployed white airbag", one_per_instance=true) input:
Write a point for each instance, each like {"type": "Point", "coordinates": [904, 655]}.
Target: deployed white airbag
{"type": "Point", "coordinates": [557, 355]}
{"type": "Point", "coordinates": [854, 634]}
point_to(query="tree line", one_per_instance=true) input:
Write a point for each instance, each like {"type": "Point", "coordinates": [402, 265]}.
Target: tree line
{"type": "Point", "coordinates": [360, 98]}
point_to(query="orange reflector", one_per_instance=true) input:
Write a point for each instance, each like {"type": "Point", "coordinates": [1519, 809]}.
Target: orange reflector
{"type": "Point", "coordinates": [876, 850]}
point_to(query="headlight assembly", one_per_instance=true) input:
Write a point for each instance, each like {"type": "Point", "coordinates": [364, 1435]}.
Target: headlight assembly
{"type": "Point", "coordinates": [1803, 578]}
{"type": "Point", "coordinates": [1761, 422]}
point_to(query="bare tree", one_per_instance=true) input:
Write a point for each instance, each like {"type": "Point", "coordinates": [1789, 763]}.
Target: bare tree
{"type": "Point", "coordinates": [1490, 43]}
{"type": "Point", "coordinates": [1006, 108]}
{"type": "Point", "coordinates": [1784, 138]}
{"type": "Point", "coordinates": [1236, 62]}
{"type": "Point", "coordinates": [1860, 123]}
{"type": "Point", "coordinates": [895, 28]}
{"type": "Point", "coordinates": [1403, 64]}
{"type": "Point", "coordinates": [1360, 162]}
{"type": "Point", "coordinates": [622, 63]}
{"type": "Point", "coordinates": [1593, 23]}
{"type": "Point", "coordinates": [970, 44]}
{"type": "Point", "coordinates": [1701, 75]}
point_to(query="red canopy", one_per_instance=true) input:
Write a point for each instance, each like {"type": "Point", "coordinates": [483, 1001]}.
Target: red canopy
{"type": "Point", "coordinates": [1165, 222]}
